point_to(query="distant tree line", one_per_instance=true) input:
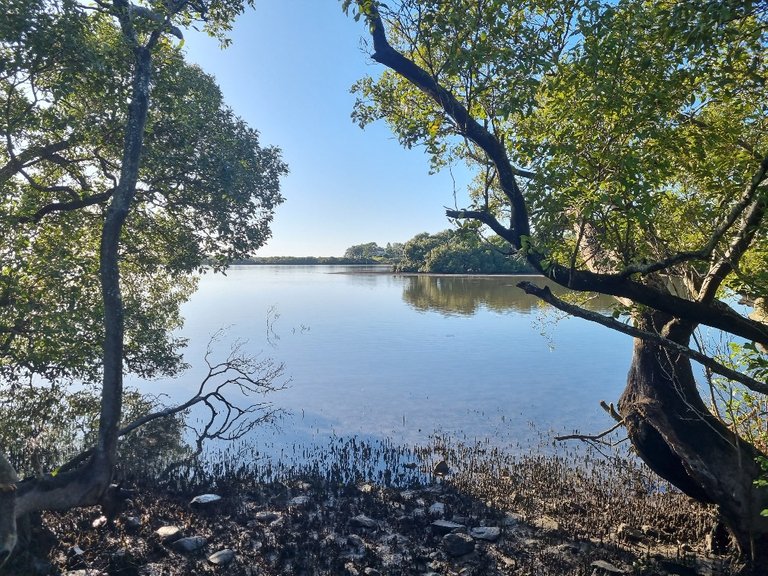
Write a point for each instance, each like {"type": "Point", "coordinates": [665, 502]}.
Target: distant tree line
{"type": "Point", "coordinates": [461, 251]}
{"type": "Point", "coordinates": [306, 260]}
{"type": "Point", "coordinates": [390, 254]}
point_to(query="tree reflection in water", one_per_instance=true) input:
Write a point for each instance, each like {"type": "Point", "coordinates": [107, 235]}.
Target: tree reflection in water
{"type": "Point", "coordinates": [465, 295]}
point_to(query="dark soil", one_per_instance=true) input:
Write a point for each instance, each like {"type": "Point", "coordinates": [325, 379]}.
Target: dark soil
{"type": "Point", "coordinates": [578, 514]}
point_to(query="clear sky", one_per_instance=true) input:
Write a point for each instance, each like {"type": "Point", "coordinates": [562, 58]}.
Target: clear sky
{"type": "Point", "coordinates": [288, 74]}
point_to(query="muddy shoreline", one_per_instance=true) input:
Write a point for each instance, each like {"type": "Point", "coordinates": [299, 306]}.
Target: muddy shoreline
{"type": "Point", "coordinates": [493, 513]}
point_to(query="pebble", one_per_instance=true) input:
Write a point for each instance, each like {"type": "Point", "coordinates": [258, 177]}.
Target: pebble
{"type": "Point", "coordinates": [266, 516]}
{"type": "Point", "coordinates": [601, 567]}
{"type": "Point", "coordinates": [445, 526]}
{"type": "Point", "coordinates": [222, 557]}
{"type": "Point", "coordinates": [363, 521]}
{"type": "Point", "coordinates": [489, 533]}
{"type": "Point", "coordinates": [627, 533]}
{"type": "Point", "coordinates": [205, 500]}
{"type": "Point", "coordinates": [458, 544]}
{"type": "Point", "coordinates": [437, 509]}
{"type": "Point", "coordinates": [168, 533]}
{"type": "Point", "coordinates": [441, 469]}
{"type": "Point", "coordinates": [190, 544]}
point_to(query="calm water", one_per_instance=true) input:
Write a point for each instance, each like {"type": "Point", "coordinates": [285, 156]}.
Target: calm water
{"type": "Point", "coordinates": [403, 357]}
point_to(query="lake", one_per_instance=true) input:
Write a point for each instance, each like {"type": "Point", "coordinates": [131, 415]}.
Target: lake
{"type": "Point", "coordinates": [403, 357]}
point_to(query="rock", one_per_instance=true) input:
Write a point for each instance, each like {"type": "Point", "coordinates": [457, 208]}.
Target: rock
{"type": "Point", "coordinates": [437, 509]}
{"type": "Point", "coordinates": [99, 522]}
{"type": "Point", "coordinates": [266, 516]}
{"type": "Point", "coordinates": [205, 500]}
{"type": "Point", "coordinates": [84, 572]}
{"type": "Point", "coordinates": [489, 533]}
{"type": "Point", "coordinates": [628, 534]}
{"type": "Point", "coordinates": [168, 533]}
{"type": "Point", "coordinates": [512, 519]}
{"type": "Point", "coordinates": [222, 557]}
{"type": "Point", "coordinates": [441, 469]}
{"type": "Point", "coordinates": [151, 570]}
{"type": "Point", "coordinates": [445, 526]}
{"type": "Point", "coordinates": [299, 501]}
{"type": "Point", "coordinates": [132, 523]}
{"type": "Point", "coordinates": [356, 542]}
{"type": "Point", "coordinates": [363, 521]}
{"type": "Point", "coordinates": [190, 544]}
{"type": "Point", "coordinates": [371, 572]}
{"type": "Point", "coordinates": [603, 568]}
{"type": "Point", "coordinates": [547, 523]}
{"type": "Point", "coordinates": [457, 544]}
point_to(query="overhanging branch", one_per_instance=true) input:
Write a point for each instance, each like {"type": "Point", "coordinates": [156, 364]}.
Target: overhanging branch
{"type": "Point", "coordinates": [619, 285]}
{"type": "Point", "coordinates": [546, 295]}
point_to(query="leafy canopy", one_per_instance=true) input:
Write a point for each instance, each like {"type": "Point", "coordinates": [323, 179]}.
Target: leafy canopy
{"type": "Point", "coordinates": [641, 123]}
{"type": "Point", "coordinates": [207, 188]}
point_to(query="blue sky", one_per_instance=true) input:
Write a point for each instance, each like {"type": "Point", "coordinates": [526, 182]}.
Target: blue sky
{"type": "Point", "coordinates": [288, 73]}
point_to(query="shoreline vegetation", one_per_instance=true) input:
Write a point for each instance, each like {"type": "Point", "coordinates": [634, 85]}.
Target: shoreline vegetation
{"type": "Point", "coordinates": [447, 252]}
{"type": "Point", "coordinates": [357, 507]}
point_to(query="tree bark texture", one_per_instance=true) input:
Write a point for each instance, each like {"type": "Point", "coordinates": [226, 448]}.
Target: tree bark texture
{"type": "Point", "coordinates": [674, 432]}
{"type": "Point", "coordinates": [109, 270]}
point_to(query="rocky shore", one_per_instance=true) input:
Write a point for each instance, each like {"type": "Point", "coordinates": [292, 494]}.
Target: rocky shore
{"type": "Point", "coordinates": [363, 510]}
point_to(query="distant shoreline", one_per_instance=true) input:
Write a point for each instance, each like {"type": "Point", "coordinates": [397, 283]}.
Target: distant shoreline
{"type": "Point", "coordinates": [365, 268]}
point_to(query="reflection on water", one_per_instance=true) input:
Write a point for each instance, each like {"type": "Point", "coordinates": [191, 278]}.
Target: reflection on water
{"type": "Point", "coordinates": [465, 295]}
{"type": "Point", "coordinates": [401, 357]}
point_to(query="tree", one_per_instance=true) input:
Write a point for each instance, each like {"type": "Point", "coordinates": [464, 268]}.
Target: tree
{"type": "Point", "coordinates": [367, 251]}
{"type": "Point", "coordinates": [460, 251]}
{"type": "Point", "coordinates": [107, 208]}
{"type": "Point", "coordinates": [621, 148]}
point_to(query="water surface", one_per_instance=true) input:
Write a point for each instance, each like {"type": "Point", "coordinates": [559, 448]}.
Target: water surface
{"type": "Point", "coordinates": [402, 357]}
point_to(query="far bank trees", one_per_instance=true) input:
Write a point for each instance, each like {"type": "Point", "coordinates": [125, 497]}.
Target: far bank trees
{"type": "Point", "coordinates": [621, 148]}
{"type": "Point", "coordinates": [460, 251]}
{"type": "Point", "coordinates": [120, 170]}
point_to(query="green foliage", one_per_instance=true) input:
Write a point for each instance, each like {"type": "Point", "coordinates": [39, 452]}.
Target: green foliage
{"type": "Point", "coordinates": [368, 251]}
{"type": "Point", "coordinates": [44, 426]}
{"type": "Point", "coordinates": [643, 122]}
{"type": "Point", "coordinates": [458, 252]}
{"type": "Point", "coordinates": [745, 411]}
{"type": "Point", "coordinates": [206, 193]}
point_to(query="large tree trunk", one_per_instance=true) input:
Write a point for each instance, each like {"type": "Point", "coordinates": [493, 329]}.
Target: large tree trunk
{"type": "Point", "coordinates": [674, 432]}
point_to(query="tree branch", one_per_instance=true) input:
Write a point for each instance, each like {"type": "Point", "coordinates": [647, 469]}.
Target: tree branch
{"type": "Point", "coordinates": [481, 216]}
{"type": "Point", "coordinates": [546, 295]}
{"type": "Point", "coordinates": [705, 253]}
{"type": "Point", "coordinates": [753, 217]}
{"type": "Point", "coordinates": [65, 207]}
{"type": "Point", "coordinates": [240, 371]}
{"type": "Point", "coordinates": [385, 54]}
{"type": "Point", "coordinates": [20, 161]}
{"type": "Point", "coordinates": [619, 285]}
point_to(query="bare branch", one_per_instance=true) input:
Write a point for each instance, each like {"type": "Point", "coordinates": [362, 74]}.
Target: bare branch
{"type": "Point", "coordinates": [590, 437]}
{"type": "Point", "coordinates": [226, 420]}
